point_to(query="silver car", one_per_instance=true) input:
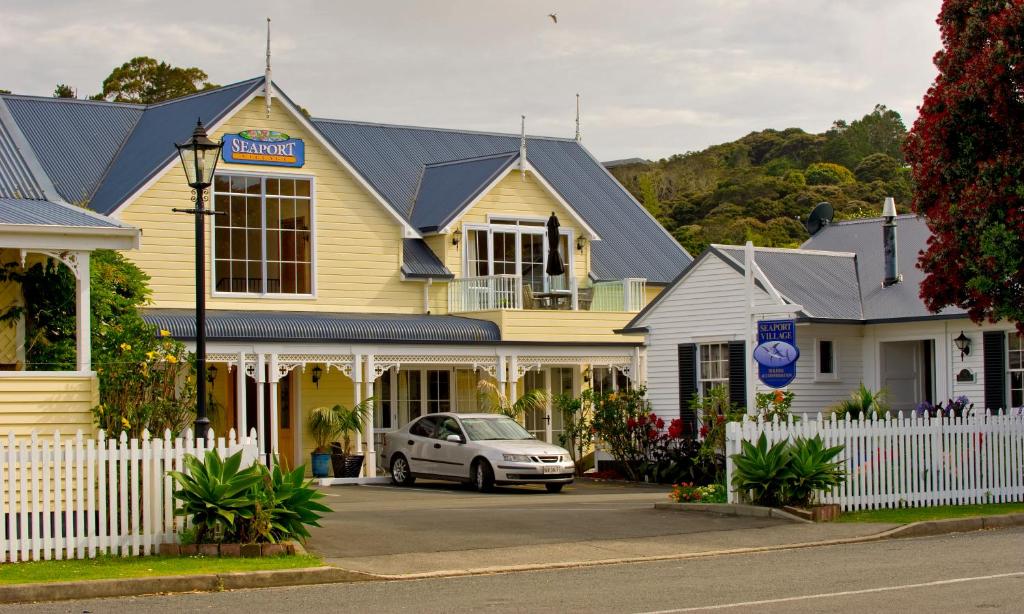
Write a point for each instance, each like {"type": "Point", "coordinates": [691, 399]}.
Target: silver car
{"type": "Point", "coordinates": [482, 449]}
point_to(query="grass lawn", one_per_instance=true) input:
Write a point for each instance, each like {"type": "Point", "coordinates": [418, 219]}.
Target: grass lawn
{"type": "Point", "coordinates": [915, 514]}
{"type": "Point", "coordinates": [113, 568]}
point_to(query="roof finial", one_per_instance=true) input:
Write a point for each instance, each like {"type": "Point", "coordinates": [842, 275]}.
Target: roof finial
{"type": "Point", "coordinates": [522, 150]}
{"type": "Point", "coordinates": [579, 137]}
{"type": "Point", "coordinates": [266, 80]}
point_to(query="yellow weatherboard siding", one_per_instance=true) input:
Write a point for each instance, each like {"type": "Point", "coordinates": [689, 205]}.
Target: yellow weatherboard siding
{"type": "Point", "coordinates": [47, 403]}
{"type": "Point", "coordinates": [511, 198]}
{"type": "Point", "coordinates": [357, 241]}
{"type": "Point", "coordinates": [558, 326]}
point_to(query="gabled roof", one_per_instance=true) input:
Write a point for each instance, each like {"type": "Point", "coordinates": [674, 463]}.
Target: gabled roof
{"type": "Point", "coordinates": [129, 145]}
{"type": "Point", "coordinates": [632, 243]}
{"type": "Point", "coordinates": [420, 262]}
{"type": "Point", "coordinates": [446, 188]}
{"type": "Point", "coordinates": [29, 212]}
{"type": "Point", "coordinates": [836, 276]}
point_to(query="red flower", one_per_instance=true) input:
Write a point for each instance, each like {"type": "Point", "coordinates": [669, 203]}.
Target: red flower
{"type": "Point", "coordinates": [660, 423]}
{"type": "Point", "coordinates": [704, 431]}
{"type": "Point", "coordinates": [721, 420]}
{"type": "Point", "coordinates": [642, 419]}
{"type": "Point", "coordinates": [675, 429]}
{"type": "Point", "coordinates": [631, 423]}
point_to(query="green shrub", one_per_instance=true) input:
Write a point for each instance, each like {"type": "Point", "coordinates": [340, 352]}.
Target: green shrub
{"type": "Point", "coordinates": [786, 473]}
{"type": "Point", "coordinates": [287, 503]}
{"type": "Point", "coordinates": [862, 404]}
{"type": "Point", "coordinates": [827, 173]}
{"type": "Point", "coordinates": [814, 469]}
{"type": "Point", "coordinates": [215, 494]}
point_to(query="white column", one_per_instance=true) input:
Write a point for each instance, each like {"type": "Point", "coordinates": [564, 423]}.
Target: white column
{"type": "Point", "coordinates": [634, 369]}
{"type": "Point", "coordinates": [371, 455]}
{"type": "Point", "coordinates": [357, 391]}
{"type": "Point", "coordinates": [547, 405]}
{"type": "Point", "coordinates": [83, 335]}
{"type": "Point", "coordinates": [241, 417]}
{"type": "Point", "coordinates": [261, 379]}
{"type": "Point", "coordinates": [273, 379]}
{"type": "Point", "coordinates": [513, 378]}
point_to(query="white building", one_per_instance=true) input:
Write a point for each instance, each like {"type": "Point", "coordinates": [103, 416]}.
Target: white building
{"type": "Point", "coordinates": [852, 327]}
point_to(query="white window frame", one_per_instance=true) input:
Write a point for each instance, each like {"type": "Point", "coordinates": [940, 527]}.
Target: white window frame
{"type": "Point", "coordinates": [518, 229]}
{"type": "Point", "coordinates": [826, 377]}
{"type": "Point", "coordinates": [1009, 371]}
{"type": "Point", "coordinates": [263, 220]}
{"type": "Point", "coordinates": [701, 380]}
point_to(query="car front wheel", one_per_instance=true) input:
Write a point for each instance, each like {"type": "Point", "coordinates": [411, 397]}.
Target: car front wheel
{"type": "Point", "coordinates": [401, 475]}
{"type": "Point", "coordinates": [483, 476]}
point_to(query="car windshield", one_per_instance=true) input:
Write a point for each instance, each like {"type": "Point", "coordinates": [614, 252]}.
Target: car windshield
{"type": "Point", "coordinates": [496, 428]}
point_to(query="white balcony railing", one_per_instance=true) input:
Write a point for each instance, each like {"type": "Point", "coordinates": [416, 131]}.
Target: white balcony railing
{"type": "Point", "coordinates": [495, 292]}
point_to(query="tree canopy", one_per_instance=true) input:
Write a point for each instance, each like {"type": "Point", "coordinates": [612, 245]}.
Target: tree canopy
{"type": "Point", "coordinates": [968, 165]}
{"type": "Point", "coordinates": [145, 80]}
{"type": "Point", "coordinates": [756, 188]}
{"type": "Point", "coordinates": [63, 90]}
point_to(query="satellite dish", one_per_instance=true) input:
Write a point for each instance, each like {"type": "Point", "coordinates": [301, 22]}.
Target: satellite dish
{"type": "Point", "coordinates": [820, 217]}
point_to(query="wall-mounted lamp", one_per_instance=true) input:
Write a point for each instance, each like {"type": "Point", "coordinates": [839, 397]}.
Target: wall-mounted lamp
{"type": "Point", "coordinates": [211, 373]}
{"type": "Point", "coordinates": [457, 237]}
{"type": "Point", "coordinates": [317, 374]}
{"type": "Point", "coordinates": [581, 242]}
{"type": "Point", "coordinates": [963, 343]}
{"type": "Point", "coordinates": [587, 375]}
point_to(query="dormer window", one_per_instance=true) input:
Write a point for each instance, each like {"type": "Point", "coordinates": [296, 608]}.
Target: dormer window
{"type": "Point", "coordinates": [514, 247]}
{"type": "Point", "coordinates": [262, 235]}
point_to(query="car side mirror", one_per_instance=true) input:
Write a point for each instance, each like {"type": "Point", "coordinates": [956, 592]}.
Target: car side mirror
{"type": "Point", "coordinates": [454, 439]}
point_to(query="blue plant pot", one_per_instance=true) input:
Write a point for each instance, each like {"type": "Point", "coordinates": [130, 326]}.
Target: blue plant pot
{"type": "Point", "coordinates": [321, 464]}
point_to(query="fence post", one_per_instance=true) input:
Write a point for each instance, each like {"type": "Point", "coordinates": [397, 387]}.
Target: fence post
{"type": "Point", "coordinates": [732, 437]}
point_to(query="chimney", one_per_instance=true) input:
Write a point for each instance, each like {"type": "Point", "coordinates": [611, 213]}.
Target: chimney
{"type": "Point", "coordinates": [892, 275]}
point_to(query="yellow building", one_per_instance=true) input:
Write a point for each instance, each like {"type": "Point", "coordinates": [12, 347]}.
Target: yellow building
{"type": "Point", "coordinates": [350, 260]}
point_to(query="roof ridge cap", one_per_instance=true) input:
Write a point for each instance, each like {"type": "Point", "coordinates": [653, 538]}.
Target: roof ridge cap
{"type": "Point", "coordinates": [439, 129]}
{"type": "Point", "coordinates": [472, 159]}
{"type": "Point", "coordinates": [90, 101]}
{"type": "Point", "coordinates": [790, 250]}
{"type": "Point", "coordinates": [201, 93]}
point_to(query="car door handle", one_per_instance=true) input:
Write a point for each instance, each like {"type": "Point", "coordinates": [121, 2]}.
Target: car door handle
{"type": "Point", "coordinates": [437, 445]}
{"type": "Point", "coordinates": [411, 442]}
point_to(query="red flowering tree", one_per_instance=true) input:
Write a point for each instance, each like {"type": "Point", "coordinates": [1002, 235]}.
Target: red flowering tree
{"type": "Point", "coordinates": [967, 159]}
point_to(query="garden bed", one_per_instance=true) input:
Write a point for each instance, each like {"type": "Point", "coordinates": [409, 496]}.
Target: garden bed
{"type": "Point", "coordinates": [732, 509]}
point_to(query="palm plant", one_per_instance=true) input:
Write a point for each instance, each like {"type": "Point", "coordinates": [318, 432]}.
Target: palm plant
{"type": "Point", "coordinates": [324, 426]}
{"type": "Point", "coordinates": [494, 400]}
{"type": "Point", "coordinates": [351, 421]}
{"type": "Point", "coordinates": [215, 493]}
{"type": "Point", "coordinates": [862, 404]}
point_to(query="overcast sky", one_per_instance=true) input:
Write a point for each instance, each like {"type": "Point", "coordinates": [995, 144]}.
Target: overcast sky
{"type": "Point", "coordinates": [656, 77]}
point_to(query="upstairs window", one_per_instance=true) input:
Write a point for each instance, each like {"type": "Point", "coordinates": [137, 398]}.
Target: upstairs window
{"type": "Point", "coordinates": [262, 235]}
{"type": "Point", "coordinates": [507, 247]}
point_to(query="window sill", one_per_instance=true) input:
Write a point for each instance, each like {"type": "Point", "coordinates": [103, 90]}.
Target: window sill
{"type": "Point", "coordinates": [262, 296]}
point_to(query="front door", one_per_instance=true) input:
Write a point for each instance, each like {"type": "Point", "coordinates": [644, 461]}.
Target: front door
{"type": "Point", "coordinates": [906, 373]}
{"type": "Point", "coordinates": [285, 421]}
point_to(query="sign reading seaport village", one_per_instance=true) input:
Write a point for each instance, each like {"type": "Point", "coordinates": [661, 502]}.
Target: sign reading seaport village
{"type": "Point", "coordinates": [776, 352]}
{"type": "Point", "coordinates": [265, 147]}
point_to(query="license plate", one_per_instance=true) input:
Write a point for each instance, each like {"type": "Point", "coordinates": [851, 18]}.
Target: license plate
{"type": "Point", "coordinates": [551, 469]}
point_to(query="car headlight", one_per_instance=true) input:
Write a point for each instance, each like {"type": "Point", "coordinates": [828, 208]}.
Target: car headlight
{"type": "Point", "coordinates": [517, 458]}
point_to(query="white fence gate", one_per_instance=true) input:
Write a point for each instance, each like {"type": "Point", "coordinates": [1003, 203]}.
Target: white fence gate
{"type": "Point", "coordinates": [908, 461]}
{"type": "Point", "coordinates": [76, 497]}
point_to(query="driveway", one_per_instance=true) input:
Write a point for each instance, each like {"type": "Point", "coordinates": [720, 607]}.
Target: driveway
{"type": "Point", "coordinates": [439, 528]}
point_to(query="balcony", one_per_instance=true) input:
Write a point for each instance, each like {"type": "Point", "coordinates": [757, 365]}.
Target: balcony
{"type": "Point", "coordinates": [509, 292]}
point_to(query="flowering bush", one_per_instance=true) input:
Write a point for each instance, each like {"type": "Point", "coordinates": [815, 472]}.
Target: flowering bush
{"type": "Point", "coordinates": [685, 492]}
{"type": "Point", "coordinates": [624, 423]}
{"type": "Point", "coordinates": [960, 407]}
{"type": "Point", "coordinates": [775, 404]}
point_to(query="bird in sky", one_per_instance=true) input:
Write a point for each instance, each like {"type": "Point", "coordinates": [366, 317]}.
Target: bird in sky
{"type": "Point", "coordinates": [554, 17]}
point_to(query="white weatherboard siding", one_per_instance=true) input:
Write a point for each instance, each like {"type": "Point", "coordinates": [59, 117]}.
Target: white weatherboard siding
{"type": "Point", "coordinates": [706, 308]}
{"type": "Point", "coordinates": [812, 393]}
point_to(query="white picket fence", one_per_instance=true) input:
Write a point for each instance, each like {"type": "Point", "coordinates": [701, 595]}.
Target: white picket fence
{"type": "Point", "coordinates": [908, 461]}
{"type": "Point", "coordinates": [78, 497]}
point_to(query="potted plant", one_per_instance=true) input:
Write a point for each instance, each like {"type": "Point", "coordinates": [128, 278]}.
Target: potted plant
{"type": "Point", "coordinates": [324, 426]}
{"type": "Point", "coordinates": [351, 421]}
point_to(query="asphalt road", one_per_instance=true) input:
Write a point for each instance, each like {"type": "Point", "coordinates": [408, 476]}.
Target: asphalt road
{"type": "Point", "coordinates": [981, 571]}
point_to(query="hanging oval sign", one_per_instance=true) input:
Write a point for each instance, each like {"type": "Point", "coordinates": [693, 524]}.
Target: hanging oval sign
{"type": "Point", "coordinates": [775, 354]}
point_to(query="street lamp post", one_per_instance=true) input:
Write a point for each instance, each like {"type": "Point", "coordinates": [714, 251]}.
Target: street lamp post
{"type": "Point", "coordinates": [199, 157]}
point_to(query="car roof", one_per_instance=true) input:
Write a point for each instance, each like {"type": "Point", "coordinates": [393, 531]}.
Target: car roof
{"type": "Point", "coordinates": [445, 414]}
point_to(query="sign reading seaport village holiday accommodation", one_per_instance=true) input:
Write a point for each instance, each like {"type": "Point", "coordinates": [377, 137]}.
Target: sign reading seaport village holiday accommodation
{"type": "Point", "coordinates": [776, 352]}
{"type": "Point", "coordinates": [265, 147]}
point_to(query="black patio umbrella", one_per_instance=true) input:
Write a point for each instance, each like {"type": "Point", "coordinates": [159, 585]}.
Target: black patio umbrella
{"type": "Point", "coordinates": [555, 266]}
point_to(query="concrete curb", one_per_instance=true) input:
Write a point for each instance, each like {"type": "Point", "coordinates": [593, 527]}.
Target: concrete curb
{"type": "Point", "coordinates": [927, 528]}
{"type": "Point", "coordinates": [733, 509]}
{"type": "Point", "coordinates": [130, 587]}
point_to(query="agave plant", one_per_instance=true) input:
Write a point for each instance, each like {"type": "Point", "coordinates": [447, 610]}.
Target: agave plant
{"type": "Point", "coordinates": [288, 503]}
{"type": "Point", "coordinates": [763, 472]}
{"type": "Point", "coordinates": [493, 399]}
{"type": "Point", "coordinates": [813, 469]}
{"type": "Point", "coordinates": [215, 493]}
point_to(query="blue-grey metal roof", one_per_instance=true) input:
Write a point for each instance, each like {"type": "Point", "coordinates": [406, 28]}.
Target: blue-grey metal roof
{"type": "Point", "coordinates": [16, 179]}
{"type": "Point", "coordinates": [74, 140]}
{"type": "Point", "coordinates": [23, 211]}
{"type": "Point", "coordinates": [151, 144]}
{"type": "Point", "coordinates": [864, 237]}
{"type": "Point", "coordinates": [447, 187]}
{"type": "Point", "coordinates": [633, 244]}
{"type": "Point", "coordinates": [419, 261]}
{"type": "Point", "coordinates": [824, 284]}
{"type": "Point", "coordinates": [324, 327]}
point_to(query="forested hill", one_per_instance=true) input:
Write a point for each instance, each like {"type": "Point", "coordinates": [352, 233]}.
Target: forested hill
{"type": "Point", "coordinates": [756, 188]}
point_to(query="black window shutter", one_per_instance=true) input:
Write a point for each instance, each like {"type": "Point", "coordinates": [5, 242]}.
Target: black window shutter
{"type": "Point", "coordinates": [688, 386]}
{"type": "Point", "coordinates": [994, 360]}
{"type": "Point", "coordinates": [738, 373]}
